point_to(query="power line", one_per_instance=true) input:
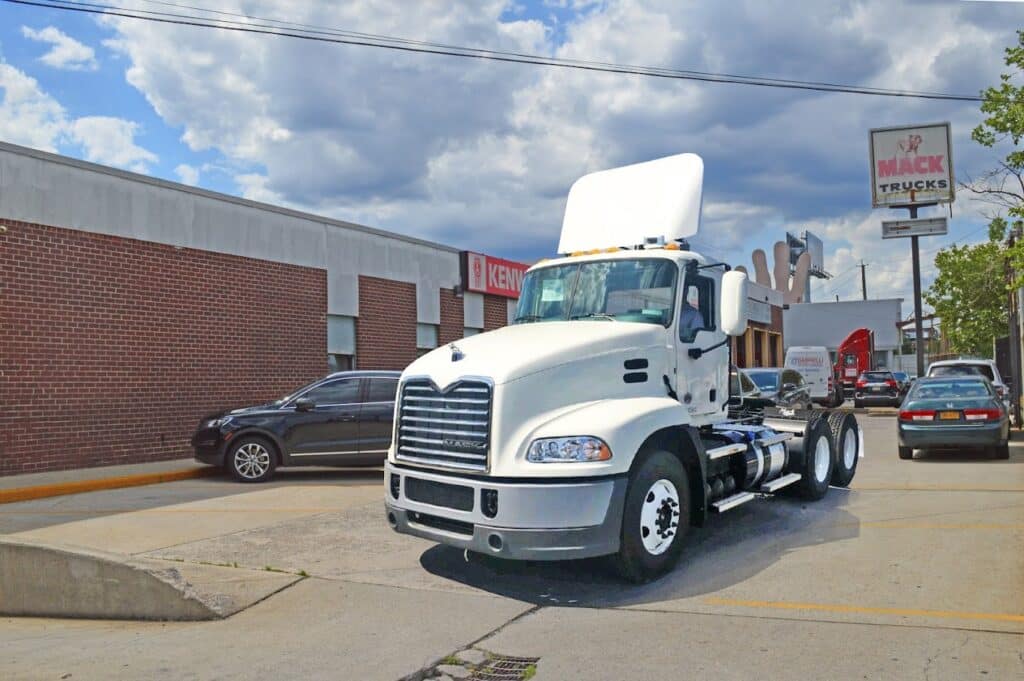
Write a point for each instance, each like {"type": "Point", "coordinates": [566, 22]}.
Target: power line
{"type": "Point", "coordinates": [309, 32]}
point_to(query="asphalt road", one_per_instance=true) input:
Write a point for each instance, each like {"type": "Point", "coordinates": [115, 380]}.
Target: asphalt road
{"type": "Point", "coordinates": [917, 571]}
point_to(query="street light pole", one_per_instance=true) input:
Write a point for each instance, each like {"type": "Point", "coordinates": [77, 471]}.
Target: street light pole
{"type": "Point", "coordinates": [918, 322]}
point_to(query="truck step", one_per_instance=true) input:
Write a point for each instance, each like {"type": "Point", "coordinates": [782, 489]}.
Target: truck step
{"type": "Point", "coordinates": [774, 439]}
{"type": "Point", "coordinates": [732, 502]}
{"type": "Point", "coordinates": [726, 450]}
{"type": "Point", "coordinates": [779, 483]}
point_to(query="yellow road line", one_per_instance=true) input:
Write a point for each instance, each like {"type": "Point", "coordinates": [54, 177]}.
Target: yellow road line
{"type": "Point", "coordinates": [936, 488]}
{"type": "Point", "coordinates": [9, 496]}
{"type": "Point", "coordinates": [899, 525]}
{"type": "Point", "coordinates": [859, 609]}
{"type": "Point", "coordinates": [109, 511]}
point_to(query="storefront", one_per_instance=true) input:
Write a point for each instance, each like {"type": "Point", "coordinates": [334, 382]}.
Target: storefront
{"type": "Point", "coordinates": [762, 344]}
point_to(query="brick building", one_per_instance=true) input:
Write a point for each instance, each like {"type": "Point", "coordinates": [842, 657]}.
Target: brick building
{"type": "Point", "coordinates": [131, 306]}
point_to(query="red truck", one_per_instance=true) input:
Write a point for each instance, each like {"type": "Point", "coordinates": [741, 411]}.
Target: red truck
{"type": "Point", "coordinates": [855, 356]}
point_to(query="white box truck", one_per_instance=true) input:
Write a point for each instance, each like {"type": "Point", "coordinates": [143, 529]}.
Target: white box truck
{"type": "Point", "coordinates": [597, 423]}
{"type": "Point", "coordinates": [815, 365]}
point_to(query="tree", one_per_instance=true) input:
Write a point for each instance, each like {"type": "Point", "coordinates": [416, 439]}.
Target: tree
{"type": "Point", "coordinates": [970, 291]}
{"type": "Point", "coordinates": [966, 295]}
{"type": "Point", "coordinates": [1003, 187]}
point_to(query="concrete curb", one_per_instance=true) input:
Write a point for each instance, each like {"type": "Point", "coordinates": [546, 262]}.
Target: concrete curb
{"type": "Point", "coordinates": [9, 496]}
{"type": "Point", "coordinates": [48, 580]}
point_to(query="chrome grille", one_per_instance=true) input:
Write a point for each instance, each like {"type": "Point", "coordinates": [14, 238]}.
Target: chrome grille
{"type": "Point", "coordinates": [449, 429]}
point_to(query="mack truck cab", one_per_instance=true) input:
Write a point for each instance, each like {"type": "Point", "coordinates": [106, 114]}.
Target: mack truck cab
{"type": "Point", "coordinates": [597, 422]}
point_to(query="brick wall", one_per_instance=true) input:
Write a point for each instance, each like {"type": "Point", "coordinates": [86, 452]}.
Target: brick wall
{"type": "Point", "coordinates": [386, 327]}
{"type": "Point", "coordinates": [112, 349]}
{"type": "Point", "coordinates": [452, 317]}
{"type": "Point", "coordinates": [495, 312]}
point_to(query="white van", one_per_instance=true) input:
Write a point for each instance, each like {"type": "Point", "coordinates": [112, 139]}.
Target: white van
{"type": "Point", "coordinates": [815, 365]}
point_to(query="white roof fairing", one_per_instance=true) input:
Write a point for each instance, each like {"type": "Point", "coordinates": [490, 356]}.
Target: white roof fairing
{"type": "Point", "coordinates": [625, 206]}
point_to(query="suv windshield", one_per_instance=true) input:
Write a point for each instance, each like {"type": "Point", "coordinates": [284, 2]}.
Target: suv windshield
{"type": "Point", "coordinates": [964, 370]}
{"type": "Point", "coordinates": [640, 290]}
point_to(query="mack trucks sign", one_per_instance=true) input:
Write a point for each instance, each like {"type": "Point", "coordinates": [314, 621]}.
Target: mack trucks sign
{"type": "Point", "coordinates": [487, 274]}
{"type": "Point", "coordinates": [911, 165]}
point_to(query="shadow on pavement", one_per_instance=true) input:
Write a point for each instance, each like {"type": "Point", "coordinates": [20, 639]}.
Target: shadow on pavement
{"type": "Point", "coordinates": [729, 549]}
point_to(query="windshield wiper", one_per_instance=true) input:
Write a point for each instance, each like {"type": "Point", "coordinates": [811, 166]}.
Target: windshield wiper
{"type": "Point", "coordinates": [527, 318]}
{"type": "Point", "coordinates": [594, 315]}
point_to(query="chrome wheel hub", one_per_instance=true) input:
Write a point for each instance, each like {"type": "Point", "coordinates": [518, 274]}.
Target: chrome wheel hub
{"type": "Point", "coordinates": [659, 517]}
{"type": "Point", "coordinates": [252, 460]}
{"type": "Point", "coordinates": [821, 459]}
{"type": "Point", "coordinates": [849, 448]}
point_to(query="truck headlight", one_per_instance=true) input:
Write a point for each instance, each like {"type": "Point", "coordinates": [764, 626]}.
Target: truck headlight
{"type": "Point", "coordinates": [568, 450]}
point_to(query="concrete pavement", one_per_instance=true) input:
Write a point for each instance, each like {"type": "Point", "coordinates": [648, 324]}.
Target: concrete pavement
{"type": "Point", "coordinates": [917, 571]}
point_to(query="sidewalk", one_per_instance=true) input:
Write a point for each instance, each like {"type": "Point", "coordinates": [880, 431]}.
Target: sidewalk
{"type": "Point", "coordinates": [56, 483]}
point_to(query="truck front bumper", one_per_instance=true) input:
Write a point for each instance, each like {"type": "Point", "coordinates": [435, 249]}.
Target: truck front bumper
{"type": "Point", "coordinates": [533, 520]}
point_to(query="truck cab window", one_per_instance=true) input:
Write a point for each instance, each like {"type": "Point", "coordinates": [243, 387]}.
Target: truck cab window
{"type": "Point", "coordinates": [697, 313]}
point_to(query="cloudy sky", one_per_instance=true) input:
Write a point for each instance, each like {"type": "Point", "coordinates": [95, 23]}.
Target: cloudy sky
{"type": "Point", "coordinates": [481, 154]}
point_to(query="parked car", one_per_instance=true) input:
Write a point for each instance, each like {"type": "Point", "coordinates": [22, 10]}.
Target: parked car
{"type": "Point", "coordinates": [744, 396]}
{"type": "Point", "coordinates": [973, 367]}
{"type": "Point", "coordinates": [903, 380]}
{"type": "Point", "coordinates": [815, 365]}
{"type": "Point", "coordinates": [953, 411]}
{"type": "Point", "coordinates": [878, 388]}
{"type": "Point", "coordinates": [780, 387]}
{"type": "Point", "coordinates": [344, 419]}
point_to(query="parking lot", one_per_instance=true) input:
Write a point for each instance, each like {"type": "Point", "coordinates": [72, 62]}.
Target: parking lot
{"type": "Point", "coordinates": [917, 571]}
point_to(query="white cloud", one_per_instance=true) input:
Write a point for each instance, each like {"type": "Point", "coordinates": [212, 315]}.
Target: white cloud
{"type": "Point", "coordinates": [28, 115]}
{"type": "Point", "coordinates": [65, 52]}
{"type": "Point", "coordinates": [481, 154]}
{"type": "Point", "coordinates": [187, 174]}
{"type": "Point", "coordinates": [111, 141]}
{"type": "Point", "coordinates": [32, 117]}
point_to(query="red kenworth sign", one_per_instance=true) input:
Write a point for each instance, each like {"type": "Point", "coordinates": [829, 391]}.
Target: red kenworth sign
{"type": "Point", "coordinates": [487, 274]}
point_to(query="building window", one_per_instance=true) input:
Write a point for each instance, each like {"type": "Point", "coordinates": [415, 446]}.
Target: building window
{"type": "Point", "coordinates": [426, 338]}
{"type": "Point", "coordinates": [468, 331]}
{"type": "Point", "coordinates": [338, 362]}
{"type": "Point", "coordinates": [341, 342]}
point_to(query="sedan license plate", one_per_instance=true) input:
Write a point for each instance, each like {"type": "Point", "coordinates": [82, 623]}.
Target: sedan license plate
{"type": "Point", "coordinates": [949, 415]}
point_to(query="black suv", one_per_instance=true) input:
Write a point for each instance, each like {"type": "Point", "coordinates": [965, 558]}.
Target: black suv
{"type": "Point", "coordinates": [344, 419]}
{"type": "Point", "coordinates": [877, 387]}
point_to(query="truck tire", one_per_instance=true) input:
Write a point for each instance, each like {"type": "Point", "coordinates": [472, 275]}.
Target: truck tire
{"type": "Point", "coordinates": [906, 453]}
{"type": "Point", "coordinates": [846, 436]}
{"type": "Point", "coordinates": [655, 518]}
{"type": "Point", "coordinates": [818, 459]}
{"type": "Point", "coordinates": [251, 459]}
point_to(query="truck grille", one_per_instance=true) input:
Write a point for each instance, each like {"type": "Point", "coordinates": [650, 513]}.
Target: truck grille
{"type": "Point", "coordinates": [447, 429]}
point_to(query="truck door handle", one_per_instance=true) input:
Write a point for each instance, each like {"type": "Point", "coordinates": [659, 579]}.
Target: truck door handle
{"type": "Point", "coordinates": [347, 418]}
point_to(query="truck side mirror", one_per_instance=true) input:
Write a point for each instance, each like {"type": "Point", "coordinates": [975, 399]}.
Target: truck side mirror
{"type": "Point", "coordinates": [734, 303]}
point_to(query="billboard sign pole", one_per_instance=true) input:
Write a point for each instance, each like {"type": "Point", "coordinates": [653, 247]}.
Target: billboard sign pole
{"type": "Point", "coordinates": [912, 167]}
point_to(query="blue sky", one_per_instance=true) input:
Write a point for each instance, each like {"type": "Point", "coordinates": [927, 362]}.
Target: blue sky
{"type": "Point", "coordinates": [480, 155]}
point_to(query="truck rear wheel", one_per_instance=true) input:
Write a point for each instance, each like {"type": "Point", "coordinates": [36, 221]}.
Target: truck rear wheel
{"type": "Point", "coordinates": [819, 459]}
{"type": "Point", "coordinates": [846, 436]}
{"type": "Point", "coordinates": [655, 518]}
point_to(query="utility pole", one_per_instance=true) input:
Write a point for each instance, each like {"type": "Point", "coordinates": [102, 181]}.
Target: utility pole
{"type": "Point", "coordinates": [863, 281]}
{"type": "Point", "coordinates": [1014, 334]}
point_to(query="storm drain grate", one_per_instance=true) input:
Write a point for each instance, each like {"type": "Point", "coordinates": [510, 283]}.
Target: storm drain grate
{"type": "Point", "coordinates": [504, 668]}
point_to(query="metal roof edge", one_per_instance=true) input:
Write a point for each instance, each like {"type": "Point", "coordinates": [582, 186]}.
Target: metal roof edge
{"type": "Point", "coordinates": [216, 196]}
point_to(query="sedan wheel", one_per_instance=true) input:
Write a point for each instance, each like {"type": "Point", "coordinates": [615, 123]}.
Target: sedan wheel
{"type": "Point", "coordinates": [251, 460]}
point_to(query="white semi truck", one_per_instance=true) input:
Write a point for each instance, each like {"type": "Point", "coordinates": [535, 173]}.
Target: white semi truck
{"type": "Point", "coordinates": [597, 423]}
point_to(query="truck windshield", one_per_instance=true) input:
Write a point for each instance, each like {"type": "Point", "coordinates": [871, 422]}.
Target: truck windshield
{"type": "Point", "coordinates": [640, 290]}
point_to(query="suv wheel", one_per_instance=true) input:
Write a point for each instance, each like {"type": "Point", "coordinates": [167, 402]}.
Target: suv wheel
{"type": "Point", "coordinates": [251, 459]}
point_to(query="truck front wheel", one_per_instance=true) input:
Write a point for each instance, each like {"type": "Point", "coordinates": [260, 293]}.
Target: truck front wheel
{"type": "Point", "coordinates": [655, 518]}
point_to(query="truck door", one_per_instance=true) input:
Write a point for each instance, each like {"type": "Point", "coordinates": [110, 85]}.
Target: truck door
{"type": "Point", "coordinates": [701, 383]}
